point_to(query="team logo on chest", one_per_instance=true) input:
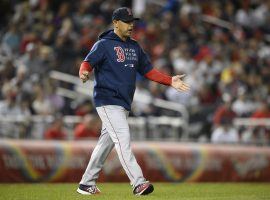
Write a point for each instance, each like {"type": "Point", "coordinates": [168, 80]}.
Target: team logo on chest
{"type": "Point", "coordinates": [120, 54]}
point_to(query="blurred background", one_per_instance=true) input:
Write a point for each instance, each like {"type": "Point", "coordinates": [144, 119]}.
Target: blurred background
{"type": "Point", "coordinates": [222, 46]}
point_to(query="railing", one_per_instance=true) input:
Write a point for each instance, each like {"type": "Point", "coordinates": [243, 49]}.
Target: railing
{"type": "Point", "coordinates": [142, 128]}
{"type": "Point", "coordinates": [253, 131]}
{"type": "Point", "coordinates": [36, 125]}
{"type": "Point", "coordinates": [87, 90]}
{"type": "Point", "coordinates": [251, 122]}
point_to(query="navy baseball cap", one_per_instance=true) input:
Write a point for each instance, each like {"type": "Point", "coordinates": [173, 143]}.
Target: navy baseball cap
{"type": "Point", "coordinates": [124, 14]}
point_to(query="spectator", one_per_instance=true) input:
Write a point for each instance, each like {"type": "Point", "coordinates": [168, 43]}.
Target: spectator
{"type": "Point", "coordinates": [10, 109]}
{"type": "Point", "coordinates": [41, 103]}
{"type": "Point", "coordinates": [242, 106]}
{"type": "Point", "coordinates": [224, 112]}
{"type": "Point", "coordinates": [262, 112]}
{"type": "Point", "coordinates": [12, 38]}
{"type": "Point", "coordinates": [31, 60]}
{"type": "Point", "coordinates": [9, 105]}
{"type": "Point", "coordinates": [225, 133]}
{"type": "Point", "coordinates": [55, 131]}
{"type": "Point", "coordinates": [84, 108]}
{"type": "Point", "coordinates": [89, 128]}
{"type": "Point", "coordinates": [41, 36]}
{"type": "Point", "coordinates": [56, 101]}
{"type": "Point", "coordinates": [140, 108]}
{"type": "Point", "coordinates": [260, 134]}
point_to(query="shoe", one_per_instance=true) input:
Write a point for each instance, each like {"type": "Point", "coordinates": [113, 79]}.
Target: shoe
{"type": "Point", "coordinates": [88, 189]}
{"type": "Point", "coordinates": [143, 189]}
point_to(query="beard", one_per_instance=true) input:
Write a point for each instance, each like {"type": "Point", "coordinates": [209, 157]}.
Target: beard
{"type": "Point", "coordinates": [128, 33]}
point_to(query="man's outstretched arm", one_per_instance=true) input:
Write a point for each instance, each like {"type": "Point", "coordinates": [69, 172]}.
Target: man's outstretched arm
{"type": "Point", "coordinates": [164, 79]}
{"type": "Point", "coordinates": [85, 70]}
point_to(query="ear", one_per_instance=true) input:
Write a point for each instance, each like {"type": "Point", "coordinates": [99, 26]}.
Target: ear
{"type": "Point", "coordinates": [115, 23]}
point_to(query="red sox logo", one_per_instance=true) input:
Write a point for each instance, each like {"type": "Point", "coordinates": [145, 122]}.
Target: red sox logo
{"type": "Point", "coordinates": [120, 54]}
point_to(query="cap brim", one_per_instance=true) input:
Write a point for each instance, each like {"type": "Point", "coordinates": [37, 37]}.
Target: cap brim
{"type": "Point", "coordinates": [130, 20]}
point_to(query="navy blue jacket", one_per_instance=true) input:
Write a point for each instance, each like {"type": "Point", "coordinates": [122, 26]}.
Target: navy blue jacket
{"type": "Point", "coordinates": [115, 64]}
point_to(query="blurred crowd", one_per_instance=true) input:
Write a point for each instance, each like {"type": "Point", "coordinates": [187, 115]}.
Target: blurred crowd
{"type": "Point", "coordinates": [222, 46]}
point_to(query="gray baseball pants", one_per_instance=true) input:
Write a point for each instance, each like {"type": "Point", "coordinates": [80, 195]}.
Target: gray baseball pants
{"type": "Point", "coordinates": [115, 133]}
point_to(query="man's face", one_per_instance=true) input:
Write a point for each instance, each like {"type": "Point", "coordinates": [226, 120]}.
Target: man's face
{"type": "Point", "coordinates": [125, 28]}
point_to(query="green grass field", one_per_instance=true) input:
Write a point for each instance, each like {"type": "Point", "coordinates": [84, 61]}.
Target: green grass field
{"type": "Point", "coordinates": [119, 191]}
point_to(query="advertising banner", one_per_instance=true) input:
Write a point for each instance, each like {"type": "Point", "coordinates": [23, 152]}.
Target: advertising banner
{"type": "Point", "coordinates": [65, 161]}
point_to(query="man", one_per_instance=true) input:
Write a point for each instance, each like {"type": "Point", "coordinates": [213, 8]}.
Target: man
{"type": "Point", "coordinates": [116, 59]}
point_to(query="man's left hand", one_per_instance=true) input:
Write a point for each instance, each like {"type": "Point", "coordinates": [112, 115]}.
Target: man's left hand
{"type": "Point", "coordinates": [178, 84]}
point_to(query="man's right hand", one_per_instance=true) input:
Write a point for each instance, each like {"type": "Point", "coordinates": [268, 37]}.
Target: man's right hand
{"type": "Point", "coordinates": [84, 76]}
{"type": "Point", "coordinates": [85, 70]}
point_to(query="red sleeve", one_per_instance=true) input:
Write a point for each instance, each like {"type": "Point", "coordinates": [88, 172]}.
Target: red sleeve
{"type": "Point", "coordinates": [155, 75]}
{"type": "Point", "coordinates": [85, 66]}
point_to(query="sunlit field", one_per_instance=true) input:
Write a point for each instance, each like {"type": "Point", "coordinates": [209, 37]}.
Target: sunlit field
{"type": "Point", "coordinates": [119, 191]}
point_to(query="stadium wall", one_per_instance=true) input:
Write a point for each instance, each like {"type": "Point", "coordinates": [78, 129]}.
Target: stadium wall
{"type": "Point", "coordinates": [65, 161]}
